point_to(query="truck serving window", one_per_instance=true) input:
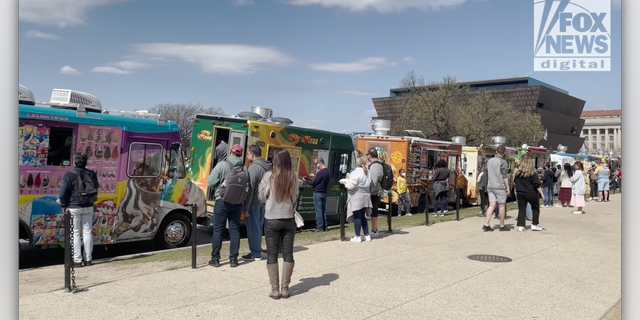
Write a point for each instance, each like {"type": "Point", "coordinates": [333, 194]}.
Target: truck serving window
{"type": "Point", "coordinates": [145, 160]}
{"type": "Point", "coordinates": [60, 144]}
{"type": "Point", "coordinates": [176, 165]}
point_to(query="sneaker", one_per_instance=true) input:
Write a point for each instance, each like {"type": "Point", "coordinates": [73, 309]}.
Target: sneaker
{"type": "Point", "coordinates": [409, 214]}
{"type": "Point", "coordinates": [214, 263]}
{"type": "Point", "coordinates": [442, 214]}
{"type": "Point", "coordinates": [536, 227]}
{"type": "Point", "coordinates": [487, 228]}
{"type": "Point", "coordinates": [445, 211]}
{"type": "Point", "coordinates": [504, 228]}
{"type": "Point", "coordinates": [356, 239]}
{"type": "Point", "coordinates": [233, 263]}
{"type": "Point", "coordinates": [375, 234]}
{"type": "Point", "coordinates": [257, 259]}
{"type": "Point", "coordinates": [577, 212]}
{"type": "Point", "coordinates": [247, 256]}
{"type": "Point", "coordinates": [87, 263]}
{"type": "Point", "coordinates": [521, 229]}
{"type": "Point", "coordinates": [367, 238]}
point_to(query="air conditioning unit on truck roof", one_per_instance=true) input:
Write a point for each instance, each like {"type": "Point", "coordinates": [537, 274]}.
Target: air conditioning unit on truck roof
{"type": "Point", "coordinates": [72, 99]}
{"type": "Point", "coordinates": [25, 96]}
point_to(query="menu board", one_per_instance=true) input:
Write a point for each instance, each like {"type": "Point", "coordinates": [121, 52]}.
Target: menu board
{"type": "Point", "coordinates": [102, 146]}
{"type": "Point", "coordinates": [33, 145]}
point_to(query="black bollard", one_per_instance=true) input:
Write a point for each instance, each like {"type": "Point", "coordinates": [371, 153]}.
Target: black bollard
{"type": "Point", "coordinates": [67, 252]}
{"type": "Point", "coordinates": [342, 214]}
{"type": "Point", "coordinates": [389, 215]}
{"type": "Point", "coordinates": [458, 207]}
{"type": "Point", "coordinates": [194, 234]}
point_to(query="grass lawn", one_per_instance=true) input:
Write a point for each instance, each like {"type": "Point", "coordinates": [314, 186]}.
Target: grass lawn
{"type": "Point", "coordinates": [302, 239]}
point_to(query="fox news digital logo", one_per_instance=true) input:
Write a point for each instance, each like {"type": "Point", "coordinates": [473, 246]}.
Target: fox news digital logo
{"type": "Point", "coordinates": [572, 35]}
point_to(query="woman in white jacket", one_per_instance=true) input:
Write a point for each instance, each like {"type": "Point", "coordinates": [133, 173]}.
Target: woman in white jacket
{"type": "Point", "coordinates": [564, 194]}
{"type": "Point", "coordinates": [578, 188]}
{"type": "Point", "coordinates": [359, 199]}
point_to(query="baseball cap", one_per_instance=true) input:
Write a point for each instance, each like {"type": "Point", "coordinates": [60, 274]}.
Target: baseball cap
{"type": "Point", "coordinates": [236, 148]}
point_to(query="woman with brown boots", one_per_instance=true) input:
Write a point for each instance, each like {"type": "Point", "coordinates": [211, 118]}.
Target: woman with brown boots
{"type": "Point", "coordinates": [279, 191]}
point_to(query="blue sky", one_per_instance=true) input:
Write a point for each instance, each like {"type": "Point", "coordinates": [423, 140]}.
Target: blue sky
{"type": "Point", "coordinates": [318, 62]}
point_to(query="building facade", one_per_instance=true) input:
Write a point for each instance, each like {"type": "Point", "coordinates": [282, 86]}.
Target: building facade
{"type": "Point", "coordinates": [602, 132]}
{"type": "Point", "coordinates": [559, 111]}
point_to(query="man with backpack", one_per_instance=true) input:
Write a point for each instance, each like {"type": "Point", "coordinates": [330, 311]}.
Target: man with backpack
{"type": "Point", "coordinates": [78, 193]}
{"type": "Point", "coordinates": [381, 176]}
{"type": "Point", "coordinates": [233, 195]}
{"type": "Point", "coordinates": [255, 220]}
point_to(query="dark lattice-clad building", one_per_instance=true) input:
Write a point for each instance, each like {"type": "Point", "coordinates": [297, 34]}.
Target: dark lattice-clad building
{"type": "Point", "coordinates": [559, 111]}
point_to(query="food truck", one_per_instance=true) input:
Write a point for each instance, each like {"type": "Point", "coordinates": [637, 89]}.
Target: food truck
{"type": "Point", "coordinates": [418, 157]}
{"type": "Point", "coordinates": [271, 133]}
{"type": "Point", "coordinates": [476, 159]}
{"type": "Point", "coordinates": [540, 155]}
{"type": "Point", "coordinates": [143, 188]}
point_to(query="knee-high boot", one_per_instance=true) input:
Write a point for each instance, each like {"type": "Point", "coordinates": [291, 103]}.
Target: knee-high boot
{"type": "Point", "coordinates": [274, 281]}
{"type": "Point", "coordinates": [287, 270]}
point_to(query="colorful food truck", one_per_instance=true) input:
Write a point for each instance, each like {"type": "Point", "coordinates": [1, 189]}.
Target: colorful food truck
{"type": "Point", "coordinates": [540, 155]}
{"type": "Point", "coordinates": [476, 159]}
{"type": "Point", "coordinates": [418, 157]}
{"type": "Point", "coordinates": [143, 188]}
{"type": "Point", "coordinates": [271, 133]}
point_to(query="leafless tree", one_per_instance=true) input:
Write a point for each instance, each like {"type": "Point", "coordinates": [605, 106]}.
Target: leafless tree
{"type": "Point", "coordinates": [411, 80]}
{"type": "Point", "coordinates": [183, 114]}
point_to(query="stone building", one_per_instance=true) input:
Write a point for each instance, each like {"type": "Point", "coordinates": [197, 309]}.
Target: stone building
{"type": "Point", "coordinates": [559, 111]}
{"type": "Point", "coordinates": [602, 132]}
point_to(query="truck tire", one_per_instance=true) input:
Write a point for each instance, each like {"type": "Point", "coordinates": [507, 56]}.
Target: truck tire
{"type": "Point", "coordinates": [175, 231]}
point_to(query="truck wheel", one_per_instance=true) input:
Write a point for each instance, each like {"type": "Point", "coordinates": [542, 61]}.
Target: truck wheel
{"type": "Point", "coordinates": [175, 231]}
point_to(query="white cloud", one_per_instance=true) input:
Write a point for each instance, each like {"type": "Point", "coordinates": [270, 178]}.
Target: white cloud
{"type": "Point", "coordinates": [109, 70]}
{"type": "Point", "coordinates": [218, 58]}
{"type": "Point", "coordinates": [365, 64]}
{"type": "Point", "coordinates": [357, 93]}
{"type": "Point", "coordinates": [381, 6]}
{"type": "Point", "coordinates": [60, 13]}
{"type": "Point", "coordinates": [242, 2]}
{"type": "Point", "coordinates": [70, 71]}
{"type": "Point", "coordinates": [40, 35]}
{"type": "Point", "coordinates": [370, 113]}
{"type": "Point", "coordinates": [128, 65]}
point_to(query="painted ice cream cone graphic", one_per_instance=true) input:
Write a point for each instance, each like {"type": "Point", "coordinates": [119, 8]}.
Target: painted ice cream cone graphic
{"type": "Point", "coordinates": [23, 183]}
{"type": "Point", "coordinates": [45, 183]}
{"type": "Point", "coordinates": [30, 182]}
{"type": "Point", "coordinates": [37, 183]}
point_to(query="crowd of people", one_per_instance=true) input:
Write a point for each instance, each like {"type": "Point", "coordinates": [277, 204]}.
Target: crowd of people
{"type": "Point", "coordinates": [265, 194]}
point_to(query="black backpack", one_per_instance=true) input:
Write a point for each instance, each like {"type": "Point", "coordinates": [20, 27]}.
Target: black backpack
{"type": "Point", "coordinates": [386, 181]}
{"type": "Point", "coordinates": [235, 187]}
{"type": "Point", "coordinates": [85, 193]}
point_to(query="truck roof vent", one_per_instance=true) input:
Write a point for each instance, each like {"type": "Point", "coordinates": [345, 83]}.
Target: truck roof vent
{"type": "Point", "coordinates": [71, 99]}
{"type": "Point", "coordinates": [381, 127]}
{"type": "Point", "coordinates": [285, 122]}
{"type": "Point", "coordinates": [249, 115]}
{"type": "Point", "coordinates": [498, 140]}
{"type": "Point", "coordinates": [459, 140]}
{"type": "Point", "coordinates": [25, 96]}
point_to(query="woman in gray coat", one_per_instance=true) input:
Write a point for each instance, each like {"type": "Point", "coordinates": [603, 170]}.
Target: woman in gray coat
{"type": "Point", "coordinates": [359, 199]}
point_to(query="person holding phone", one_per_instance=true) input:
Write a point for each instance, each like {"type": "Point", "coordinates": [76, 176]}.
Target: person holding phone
{"type": "Point", "coordinates": [320, 184]}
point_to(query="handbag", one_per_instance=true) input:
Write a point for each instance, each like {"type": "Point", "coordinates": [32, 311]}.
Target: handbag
{"type": "Point", "coordinates": [297, 216]}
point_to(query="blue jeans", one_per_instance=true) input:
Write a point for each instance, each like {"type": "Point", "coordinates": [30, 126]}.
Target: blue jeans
{"type": "Point", "coordinates": [320, 205]}
{"type": "Point", "coordinates": [548, 196]}
{"type": "Point", "coordinates": [255, 226]}
{"type": "Point", "coordinates": [360, 221]}
{"type": "Point", "coordinates": [407, 202]}
{"type": "Point", "coordinates": [221, 213]}
{"type": "Point", "coordinates": [442, 197]}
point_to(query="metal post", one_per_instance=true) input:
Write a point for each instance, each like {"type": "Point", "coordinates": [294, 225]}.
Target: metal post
{"type": "Point", "coordinates": [458, 206]}
{"type": "Point", "coordinates": [389, 213]}
{"type": "Point", "coordinates": [426, 210]}
{"type": "Point", "coordinates": [67, 252]}
{"type": "Point", "coordinates": [342, 211]}
{"type": "Point", "coordinates": [194, 232]}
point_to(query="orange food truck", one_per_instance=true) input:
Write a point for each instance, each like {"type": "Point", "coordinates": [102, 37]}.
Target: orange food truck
{"type": "Point", "coordinates": [417, 156]}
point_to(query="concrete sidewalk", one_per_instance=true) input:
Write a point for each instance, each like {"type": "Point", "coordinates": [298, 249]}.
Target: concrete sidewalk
{"type": "Point", "coordinates": [572, 270]}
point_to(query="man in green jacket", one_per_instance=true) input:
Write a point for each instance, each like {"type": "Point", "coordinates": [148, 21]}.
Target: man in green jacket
{"type": "Point", "coordinates": [224, 211]}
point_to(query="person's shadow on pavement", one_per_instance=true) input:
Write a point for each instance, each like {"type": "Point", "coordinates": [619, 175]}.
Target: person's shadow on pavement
{"type": "Point", "coordinates": [307, 284]}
